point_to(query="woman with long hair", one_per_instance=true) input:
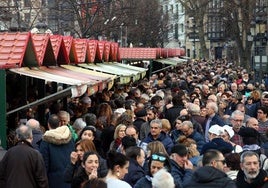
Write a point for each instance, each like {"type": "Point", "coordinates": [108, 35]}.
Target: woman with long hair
{"type": "Point", "coordinates": [104, 110]}
{"type": "Point", "coordinates": [119, 133]}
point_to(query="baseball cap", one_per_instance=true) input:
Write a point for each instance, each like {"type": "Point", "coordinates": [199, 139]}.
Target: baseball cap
{"type": "Point", "coordinates": [229, 130]}
{"type": "Point", "coordinates": [216, 129]}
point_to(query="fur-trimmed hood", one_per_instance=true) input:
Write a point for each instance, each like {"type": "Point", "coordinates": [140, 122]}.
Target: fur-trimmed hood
{"type": "Point", "coordinates": [58, 136]}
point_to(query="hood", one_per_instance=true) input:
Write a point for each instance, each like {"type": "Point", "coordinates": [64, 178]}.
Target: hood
{"type": "Point", "coordinates": [58, 136]}
{"type": "Point", "coordinates": [207, 174]}
{"type": "Point", "coordinates": [232, 174]}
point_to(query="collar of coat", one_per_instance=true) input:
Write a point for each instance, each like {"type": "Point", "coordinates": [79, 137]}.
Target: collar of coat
{"type": "Point", "coordinates": [58, 136]}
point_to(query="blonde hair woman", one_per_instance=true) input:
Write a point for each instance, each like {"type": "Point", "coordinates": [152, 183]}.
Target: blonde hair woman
{"type": "Point", "coordinates": [119, 133]}
{"type": "Point", "coordinates": [155, 147]}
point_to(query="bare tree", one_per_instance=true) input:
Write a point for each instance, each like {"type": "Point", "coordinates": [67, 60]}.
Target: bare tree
{"type": "Point", "coordinates": [19, 16]}
{"type": "Point", "coordinates": [237, 16]}
{"type": "Point", "coordinates": [198, 10]}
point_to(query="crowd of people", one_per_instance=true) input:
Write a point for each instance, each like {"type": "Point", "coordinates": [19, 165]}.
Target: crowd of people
{"type": "Point", "coordinates": [201, 124]}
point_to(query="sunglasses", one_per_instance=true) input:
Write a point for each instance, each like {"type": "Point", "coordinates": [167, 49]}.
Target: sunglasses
{"type": "Point", "coordinates": [158, 157]}
{"type": "Point", "coordinates": [223, 161]}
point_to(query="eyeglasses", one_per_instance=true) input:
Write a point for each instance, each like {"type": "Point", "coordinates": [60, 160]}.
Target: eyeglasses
{"type": "Point", "coordinates": [158, 157]}
{"type": "Point", "coordinates": [238, 120]}
{"type": "Point", "coordinates": [223, 161]}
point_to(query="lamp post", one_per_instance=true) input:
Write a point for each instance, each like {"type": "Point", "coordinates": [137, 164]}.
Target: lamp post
{"type": "Point", "coordinates": [194, 52]}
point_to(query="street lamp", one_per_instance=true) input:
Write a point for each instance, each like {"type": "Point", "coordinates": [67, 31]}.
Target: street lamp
{"type": "Point", "coordinates": [194, 51]}
{"type": "Point", "coordinates": [192, 35]}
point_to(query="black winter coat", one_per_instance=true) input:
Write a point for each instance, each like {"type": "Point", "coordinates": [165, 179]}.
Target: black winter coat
{"type": "Point", "coordinates": [261, 181]}
{"type": "Point", "coordinates": [210, 177]}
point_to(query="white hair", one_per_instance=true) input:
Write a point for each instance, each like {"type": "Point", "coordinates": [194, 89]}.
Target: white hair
{"type": "Point", "coordinates": [162, 178]}
{"type": "Point", "coordinates": [79, 124]}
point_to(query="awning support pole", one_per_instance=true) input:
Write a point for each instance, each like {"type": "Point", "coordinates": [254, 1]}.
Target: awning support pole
{"type": "Point", "coordinates": [162, 69]}
{"type": "Point", "coordinates": [3, 122]}
{"type": "Point", "coordinates": [55, 96]}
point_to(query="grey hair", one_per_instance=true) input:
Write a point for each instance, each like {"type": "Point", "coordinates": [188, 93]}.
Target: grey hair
{"type": "Point", "coordinates": [79, 124]}
{"type": "Point", "coordinates": [237, 113]}
{"type": "Point", "coordinates": [214, 106]}
{"type": "Point", "coordinates": [248, 154]}
{"type": "Point", "coordinates": [24, 132]}
{"type": "Point", "coordinates": [188, 123]}
{"type": "Point", "coordinates": [193, 109]}
{"type": "Point", "coordinates": [157, 121]}
{"type": "Point", "coordinates": [33, 124]}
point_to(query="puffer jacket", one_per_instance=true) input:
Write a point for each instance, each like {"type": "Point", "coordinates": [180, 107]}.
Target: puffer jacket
{"type": "Point", "coordinates": [56, 147]}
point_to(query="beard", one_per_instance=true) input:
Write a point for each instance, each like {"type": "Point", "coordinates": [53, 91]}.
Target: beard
{"type": "Point", "coordinates": [251, 174]}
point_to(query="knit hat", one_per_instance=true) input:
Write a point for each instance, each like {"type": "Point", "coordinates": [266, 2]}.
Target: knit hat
{"type": "Point", "coordinates": [249, 135]}
{"type": "Point", "coordinates": [248, 132]}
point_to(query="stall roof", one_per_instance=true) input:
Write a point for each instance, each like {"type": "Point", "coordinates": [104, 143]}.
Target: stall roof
{"type": "Point", "coordinates": [137, 53]}
{"type": "Point", "coordinates": [37, 72]}
{"type": "Point", "coordinates": [125, 74]}
{"type": "Point", "coordinates": [168, 62]}
{"type": "Point", "coordinates": [16, 49]}
{"type": "Point", "coordinates": [171, 61]}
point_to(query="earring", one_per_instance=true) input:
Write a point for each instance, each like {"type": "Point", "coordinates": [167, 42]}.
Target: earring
{"type": "Point", "coordinates": [118, 174]}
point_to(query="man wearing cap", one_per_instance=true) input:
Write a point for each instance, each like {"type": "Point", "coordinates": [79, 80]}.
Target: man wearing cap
{"type": "Point", "coordinates": [227, 135]}
{"type": "Point", "coordinates": [211, 174]}
{"type": "Point", "coordinates": [141, 117]}
{"type": "Point", "coordinates": [181, 166]}
{"type": "Point", "coordinates": [216, 142]}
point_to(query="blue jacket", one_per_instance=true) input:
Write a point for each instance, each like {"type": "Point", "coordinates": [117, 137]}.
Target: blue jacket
{"type": "Point", "coordinates": [181, 176]}
{"type": "Point", "coordinates": [219, 144]}
{"type": "Point", "coordinates": [144, 182]}
{"type": "Point", "coordinates": [163, 137]}
{"type": "Point", "coordinates": [215, 120]}
{"type": "Point", "coordinates": [56, 148]}
{"type": "Point", "coordinates": [175, 134]}
{"type": "Point", "coordinates": [135, 172]}
{"type": "Point", "coordinates": [199, 139]}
